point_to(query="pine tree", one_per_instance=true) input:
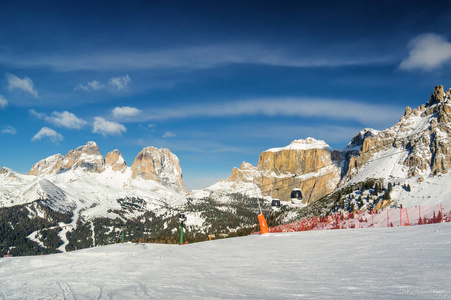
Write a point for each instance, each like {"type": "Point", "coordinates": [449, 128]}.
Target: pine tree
{"type": "Point", "coordinates": [408, 187]}
{"type": "Point", "coordinates": [390, 187]}
{"type": "Point", "coordinates": [376, 189]}
{"type": "Point", "coordinates": [387, 195]}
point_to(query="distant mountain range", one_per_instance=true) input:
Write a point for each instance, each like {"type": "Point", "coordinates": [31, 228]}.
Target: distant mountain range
{"type": "Point", "coordinates": [88, 188]}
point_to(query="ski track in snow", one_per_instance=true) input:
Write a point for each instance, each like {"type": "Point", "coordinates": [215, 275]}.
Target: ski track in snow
{"type": "Point", "coordinates": [381, 263]}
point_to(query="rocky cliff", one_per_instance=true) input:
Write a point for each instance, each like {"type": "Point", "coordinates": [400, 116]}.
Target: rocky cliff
{"type": "Point", "coordinates": [159, 165]}
{"type": "Point", "coordinates": [418, 145]}
{"type": "Point", "coordinates": [308, 164]}
{"type": "Point", "coordinates": [422, 135]}
{"type": "Point", "coordinates": [86, 157]}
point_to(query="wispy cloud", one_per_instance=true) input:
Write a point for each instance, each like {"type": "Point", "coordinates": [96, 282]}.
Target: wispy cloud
{"type": "Point", "coordinates": [291, 107]}
{"type": "Point", "coordinates": [3, 102]}
{"type": "Point", "coordinates": [125, 112]}
{"type": "Point", "coordinates": [206, 56]}
{"type": "Point", "coordinates": [114, 84]}
{"type": "Point", "coordinates": [168, 134]}
{"type": "Point", "coordinates": [61, 119]}
{"type": "Point", "coordinates": [25, 85]}
{"type": "Point", "coordinates": [9, 130]}
{"type": "Point", "coordinates": [106, 128]}
{"type": "Point", "coordinates": [90, 86]}
{"type": "Point", "coordinates": [119, 83]}
{"type": "Point", "coordinates": [49, 133]}
{"type": "Point", "coordinates": [37, 114]}
{"type": "Point", "coordinates": [427, 52]}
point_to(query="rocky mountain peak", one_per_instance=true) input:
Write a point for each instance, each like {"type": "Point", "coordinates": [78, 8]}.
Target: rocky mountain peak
{"type": "Point", "coordinates": [159, 165]}
{"type": "Point", "coordinates": [87, 157]}
{"type": "Point", "coordinates": [49, 165]}
{"type": "Point", "coordinates": [115, 160]}
{"type": "Point", "coordinates": [360, 137]}
{"type": "Point", "coordinates": [437, 96]}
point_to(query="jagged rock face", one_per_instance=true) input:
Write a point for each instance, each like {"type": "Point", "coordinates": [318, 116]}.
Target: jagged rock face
{"type": "Point", "coordinates": [313, 159]}
{"type": "Point", "coordinates": [421, 132]}
{"type": "Point", "coordinates": [159, 165]}
{"type": "Point", "coordinates": [437, 95]}
{"type": "Point", "coordinates": [151, 164]}
{"type": "Point", "coordinates": [87, 157]}
{"type": "Point", "coordinates": [359, 138]}
{"type": "Point", "coordinates": [115, 160]}
{"type": "Point", "coordinates": [49, 165]}
{"type": "Point", "coordinates": [245, 173]}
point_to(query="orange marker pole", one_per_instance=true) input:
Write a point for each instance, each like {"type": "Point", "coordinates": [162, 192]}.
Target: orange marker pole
{"type": "Point", "coordinates": [263, 225]}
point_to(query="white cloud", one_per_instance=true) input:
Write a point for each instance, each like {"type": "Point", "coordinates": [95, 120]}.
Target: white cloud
{"type": "Point", "coordinates": [367, 114]}
{"type": "Point", "coordinates": [207, 56]}
{"type": "Point", "coordinates": [91, 86]}
{"type": "Point", "coordinates": [9, 130]}
{"type": "Point", "coordinates": [114, 84]}
{"type": "Point", "coordinates": [25, 85]}
{"type": "Point", "coordinates": [96, 85]}
{"type": "Point", "coordinates": [66, 119]}
{"type": "Point", "coordinates": [427, 52]}
{"type": "Point", "coordinates": [168, 134]}
{"type": "Point", "coordinates": [61, 119]}
{"type": "Point", "coordinates": [46, 132]}
{"type": "Point", "coordinates": [3, 102]}
{"type": "Point", "coordinates": [82, 87]}
{"type": "Point", "coordinates": [105, 127]}
{"type": "Point", "coordinates": [125, 112]}
{"type": "Point", "coordinates": [37, 114]}
{"type": "Point", "coordinates": [119, 83]}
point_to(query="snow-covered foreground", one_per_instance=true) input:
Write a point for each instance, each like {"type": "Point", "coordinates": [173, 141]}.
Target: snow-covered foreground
{"type": "Point", "coordinates": [384, 263]}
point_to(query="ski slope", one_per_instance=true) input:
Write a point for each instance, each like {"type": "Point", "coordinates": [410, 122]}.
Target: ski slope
{"type": "Point", "coordinates": [381, 263]}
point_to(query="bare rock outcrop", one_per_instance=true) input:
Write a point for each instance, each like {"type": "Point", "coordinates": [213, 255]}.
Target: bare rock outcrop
{"type": "Point", "coordinates": [87, 157]}
{"type": "Point", "coordinates": [159, 165]}
{"type": "Point", "coordinates": [422, 133]}
{"type": "Point", "coordinates": [314, 161]}
{"type": "Point", "coordinates": [50, 165]}
{"type": "Point", "coordinates": [115, 160]}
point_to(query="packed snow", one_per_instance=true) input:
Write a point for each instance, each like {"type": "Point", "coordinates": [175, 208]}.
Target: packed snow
{"type": "Point", "coordinates": [381, 263]}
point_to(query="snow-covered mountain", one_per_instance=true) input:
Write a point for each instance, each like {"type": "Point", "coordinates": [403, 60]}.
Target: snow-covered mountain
{"type": "Point", "coordinates": [415, 151]}
{"type": "Point", "coordinates": [83, 179]}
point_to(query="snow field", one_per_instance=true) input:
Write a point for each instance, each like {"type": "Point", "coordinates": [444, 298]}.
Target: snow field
{"type": "Point", "coordinates": [381, 263]}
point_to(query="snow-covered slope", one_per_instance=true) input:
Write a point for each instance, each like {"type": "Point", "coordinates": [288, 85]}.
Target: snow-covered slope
{"type": "Point", "coordinates": [383, 263]}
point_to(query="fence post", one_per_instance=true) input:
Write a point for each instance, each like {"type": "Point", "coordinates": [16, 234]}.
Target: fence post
{"type": "Point", "coordinates": [407, 215]}
{"type": "Point", "coordinates": [358, 213]}
{"type": "Point", "coordinates": [400, 217]}
{"type": "Point", "coordinates": [372, 219]}
{"type": "Point", "coordinates": [419, 213]}
{"type": "Point", "coordinates": [388, 219]}
{"type": "Point", "coordinates": [441, 212]}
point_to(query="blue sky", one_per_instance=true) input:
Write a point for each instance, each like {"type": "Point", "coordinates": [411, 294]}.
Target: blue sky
{"type": "Point", "coordinates": [216, 82]}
